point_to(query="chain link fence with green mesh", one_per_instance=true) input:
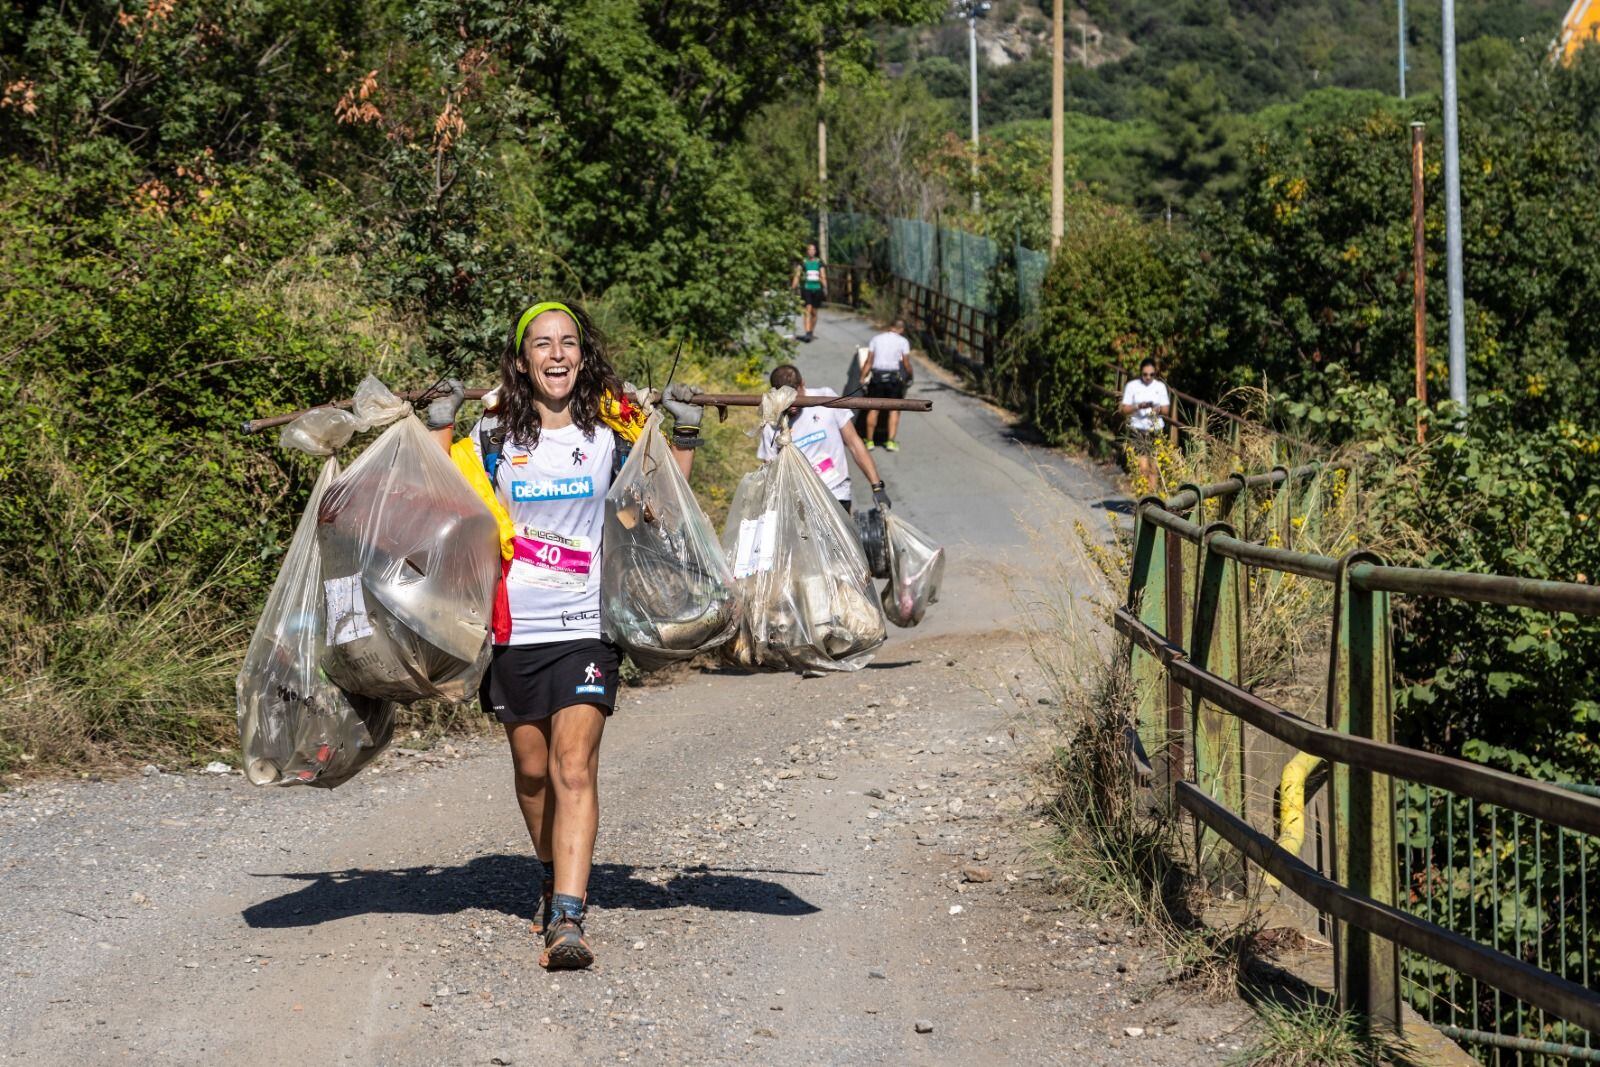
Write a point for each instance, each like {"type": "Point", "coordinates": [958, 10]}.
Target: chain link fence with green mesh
{"type": "Point", "coordinates": [966, 267]}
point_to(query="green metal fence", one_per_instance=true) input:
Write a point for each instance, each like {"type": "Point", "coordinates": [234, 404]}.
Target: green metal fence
{"type": "Point", "coordinates": [1031, 267]}
{"type": "Point", "coordinates": [966, 267]}
{"type": "Point", "coordinates": [1459, 888]}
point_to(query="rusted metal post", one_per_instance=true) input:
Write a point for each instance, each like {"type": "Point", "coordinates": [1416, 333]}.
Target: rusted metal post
{"type": "Point", "coordinates": [1419, 278]}
{"type": "Point", "coordinates": [1360, 691]}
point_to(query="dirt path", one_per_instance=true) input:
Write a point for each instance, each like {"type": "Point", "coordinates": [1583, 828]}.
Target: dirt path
{"type": "Point", "coordinates": [789, 871]}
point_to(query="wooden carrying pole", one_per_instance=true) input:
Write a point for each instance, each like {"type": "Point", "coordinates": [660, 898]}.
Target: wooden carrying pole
{"type": "Point", "coordinates": [710, 400]}
{"type": "Point", "coordinates": [1419, 279]}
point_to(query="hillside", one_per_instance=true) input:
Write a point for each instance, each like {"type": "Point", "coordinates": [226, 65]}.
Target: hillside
{"type": "Point", "coordinates": [1188, 72]}
{"type": "Point", "coordinates": [1260, 53]}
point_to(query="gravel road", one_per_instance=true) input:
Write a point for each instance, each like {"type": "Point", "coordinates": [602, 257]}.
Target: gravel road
{"type": "Point", "coordinates": [842, 869]}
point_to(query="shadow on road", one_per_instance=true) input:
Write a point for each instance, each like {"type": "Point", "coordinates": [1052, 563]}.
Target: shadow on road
{"type": "Point", "coordinates": [510, 884]}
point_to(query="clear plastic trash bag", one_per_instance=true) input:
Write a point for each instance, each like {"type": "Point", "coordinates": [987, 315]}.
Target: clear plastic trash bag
{"type": "Point", "coordinates": [410, 561]}
{"type": "Point", "coordinates": [666, 592]}
{"type": "Point", "coordinates": [296, 727]}
{"type": "Point", "coordinates": [809, 603]}
{"type": "Point", "coordinates": [916, 567]}
{"type": "Point", "coordinates": [323, 431]}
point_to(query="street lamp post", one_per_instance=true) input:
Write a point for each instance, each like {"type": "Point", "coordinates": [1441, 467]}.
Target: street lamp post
{"type": "Point", "coordinates": [1452, 214]}
{"type": "Point", "coordinates": [972, 11]}
{"type": "Point", "coordinates": [1401, 11]}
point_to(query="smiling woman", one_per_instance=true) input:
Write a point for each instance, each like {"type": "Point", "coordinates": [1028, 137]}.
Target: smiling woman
{"type": "Point", "coordinates": [543, 460]}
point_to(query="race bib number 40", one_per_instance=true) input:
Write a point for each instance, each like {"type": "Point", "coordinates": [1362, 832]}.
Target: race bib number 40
{"type": "Point", "coordinates": [550, 560]}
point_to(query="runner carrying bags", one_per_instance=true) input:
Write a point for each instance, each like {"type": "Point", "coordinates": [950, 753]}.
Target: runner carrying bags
{"type": "Point", "coordinates": [543, 462]}
{"type": "Point", "coordinates": [825, 435]}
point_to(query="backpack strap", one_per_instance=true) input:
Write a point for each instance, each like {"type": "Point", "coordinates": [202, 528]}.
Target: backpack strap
{"type": "Point", "coordinates": [491, 443]}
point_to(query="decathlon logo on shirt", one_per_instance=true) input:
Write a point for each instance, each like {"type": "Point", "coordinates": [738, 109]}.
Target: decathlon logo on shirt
{"type": "Point", "coordinates": [552, 489]}
{"type": "Point", "coordinates": [810, 439]}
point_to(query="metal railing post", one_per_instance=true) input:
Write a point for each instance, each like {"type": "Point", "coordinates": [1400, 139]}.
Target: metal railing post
{"type": "Point", "coordinates": [1176, 748]}
{"type": "Point", "coordinates": [1360, 691]}
{"type": "Point", "coordinates": [1214, 645]}
{"type": "Point", "coordinates": [1148, 594]}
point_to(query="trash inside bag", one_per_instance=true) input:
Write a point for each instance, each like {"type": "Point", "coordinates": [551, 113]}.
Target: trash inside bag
{"type": "Point", "coordinates": [666, 592]}
{"type": "Point", "coordinates": [874, 539]}
{"type": "Point", "coordinates": [916, 567]}
{"type": "Point", "coordinates": [323, 431]}
{"type": "Point", "coordinates": [296, 727]}
{"type": "Point", "coordinates": [809, 603]}
{"type": "Point", "coordinates": [410, 561]}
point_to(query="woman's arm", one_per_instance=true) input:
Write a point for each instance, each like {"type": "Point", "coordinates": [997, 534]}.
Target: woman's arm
{"type": "Point", "coordinates": [684, 458]}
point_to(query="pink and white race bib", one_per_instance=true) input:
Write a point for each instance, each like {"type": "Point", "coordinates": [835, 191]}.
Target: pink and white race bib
{"type": "Point", "coordinates": [549, 560]}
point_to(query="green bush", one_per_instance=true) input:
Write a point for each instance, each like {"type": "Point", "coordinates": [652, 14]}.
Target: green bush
{"type": "Point", "coordinates": [140, 528]}
{"type": "Point", "coordinates": [1110, 295]}
{"type": "Point", "coordinates": [1512, 687]}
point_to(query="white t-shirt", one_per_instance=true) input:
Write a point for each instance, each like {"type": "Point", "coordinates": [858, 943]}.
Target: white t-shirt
{"type": "Point", "coordinates": [1137, 392]}
{"type": "Point", "coordinates": [815, 433]}
{"type": "Point", "coordinates": [888, 349]}
{"type": "Point", "coordinates": [556, 496]}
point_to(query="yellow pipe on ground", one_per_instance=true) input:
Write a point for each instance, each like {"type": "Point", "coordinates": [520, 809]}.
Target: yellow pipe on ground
{"type": "Point", "coordinates": [1292, 805]}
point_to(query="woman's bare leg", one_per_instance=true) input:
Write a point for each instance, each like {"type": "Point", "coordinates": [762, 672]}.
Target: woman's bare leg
{"type": "Point", "coordinates": [574, 764]}
{"type": "Point", "coordinates": [530, 763]}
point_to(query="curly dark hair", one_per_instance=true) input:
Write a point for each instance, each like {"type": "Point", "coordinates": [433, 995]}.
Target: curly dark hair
{"type": "Point", "coordinates": [595, 378]}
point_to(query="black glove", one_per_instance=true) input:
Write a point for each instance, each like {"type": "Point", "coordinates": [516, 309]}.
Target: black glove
{"type": "Point", "coordinates": [880, 495]}
{"type": "Point", "coordinates": [442, 409]}
{"type": "Point", "coordinates": [685, 416]}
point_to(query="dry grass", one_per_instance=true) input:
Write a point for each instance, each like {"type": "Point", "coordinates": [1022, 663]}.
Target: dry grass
{"type": "Point", "coordinates": [132, 659]}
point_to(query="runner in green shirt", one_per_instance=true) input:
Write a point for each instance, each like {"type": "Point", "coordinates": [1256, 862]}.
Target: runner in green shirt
{"type": "Point", "coordinates": [811, 282]}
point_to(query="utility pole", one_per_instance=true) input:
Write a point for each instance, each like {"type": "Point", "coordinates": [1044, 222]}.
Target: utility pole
{"type": "Point", "coordinates": [822, 159]}
{"type": "Point", "coordinates": [1419, 278]}
{"type": "Point", "coordinates": [1402, 7]}
{"type": "Point", "coordinates": [1452, 213]}
{"type": "Point", "coordinates": [1058, 148]}
{"type": "Point", "coordinates": [972, 67]}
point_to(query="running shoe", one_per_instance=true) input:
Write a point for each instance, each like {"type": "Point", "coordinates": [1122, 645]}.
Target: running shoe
{"type": "Point", "coordinates": [565, 948]}
{"type": "Point", "coordinates": [891, 446]}
{"type": "Point", "coordinates": [871, 444]}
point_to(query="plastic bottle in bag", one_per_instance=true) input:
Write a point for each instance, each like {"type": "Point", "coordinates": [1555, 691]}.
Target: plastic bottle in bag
{"type": "Point", "coordinates": [296, 727]}
{"type": "Point", "coordinates": [666, 592]}
{"type": "Point", "coordinates": [916, 567]}
{"type": "Point", "coordinates": [808, 598]}
{"type": "Point", "coordinates": [410, 560]}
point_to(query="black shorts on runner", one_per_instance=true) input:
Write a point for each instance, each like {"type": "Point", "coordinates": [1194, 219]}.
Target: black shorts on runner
{"type": "Point", "coordinates": [814, 298]}
{"type": "Point", "coordinates": [527, 683]}
{"type": "Point", "coordinates": [889, 384]}
{"type": "Point", "coordinates": [1143, 442]}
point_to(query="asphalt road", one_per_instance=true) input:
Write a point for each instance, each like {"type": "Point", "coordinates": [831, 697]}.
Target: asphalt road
{"type": "Point", "coordinates": [845, 869]}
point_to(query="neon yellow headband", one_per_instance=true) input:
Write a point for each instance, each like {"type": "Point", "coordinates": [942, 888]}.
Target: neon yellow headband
{"type": "Point", "coordinates": [539, 309]}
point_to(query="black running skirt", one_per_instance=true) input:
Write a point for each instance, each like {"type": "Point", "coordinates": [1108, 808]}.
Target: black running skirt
{"type": "Point", "coordinates": [527, 683]}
